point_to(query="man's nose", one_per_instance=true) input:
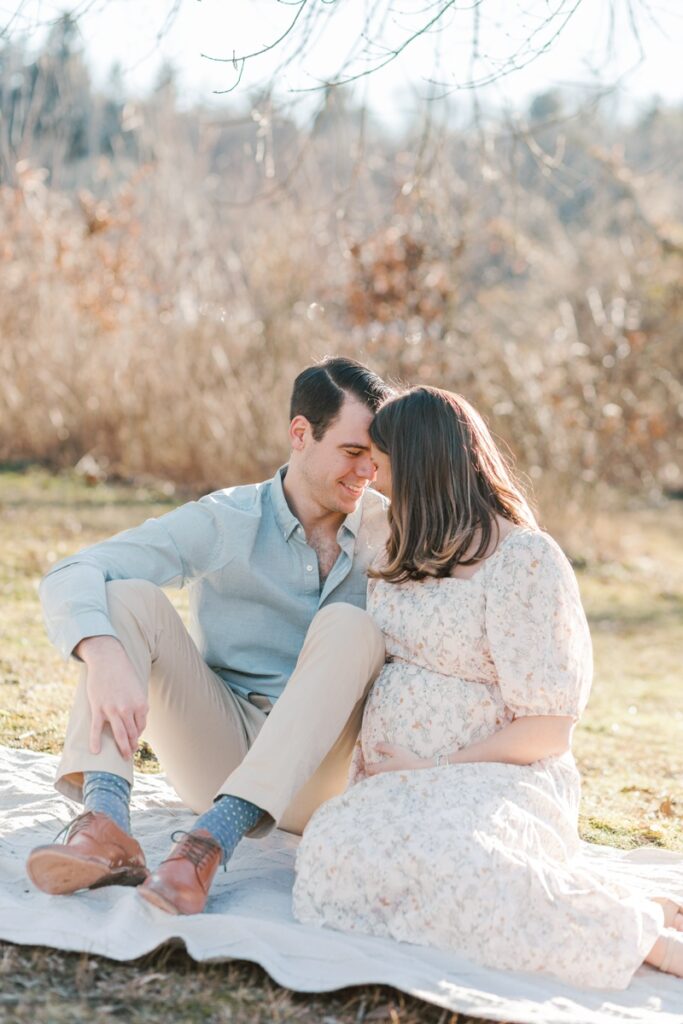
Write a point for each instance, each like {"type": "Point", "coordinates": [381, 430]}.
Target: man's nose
{"type": "Point", "coordinates": [366, 469]}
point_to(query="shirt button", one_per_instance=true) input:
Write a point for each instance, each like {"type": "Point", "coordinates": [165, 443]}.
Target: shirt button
{"type": "Point", "coordinates": [309, 568]}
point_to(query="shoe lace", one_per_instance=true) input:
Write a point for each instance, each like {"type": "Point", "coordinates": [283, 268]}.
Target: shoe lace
{"type": "Point", "coordinates": [195, 848]}
{"type": "Point", "coordinates": [72, 828]}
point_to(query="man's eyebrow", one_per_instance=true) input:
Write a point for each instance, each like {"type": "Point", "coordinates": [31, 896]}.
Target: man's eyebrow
{"type": "Point", "coordinates": [355, 444]}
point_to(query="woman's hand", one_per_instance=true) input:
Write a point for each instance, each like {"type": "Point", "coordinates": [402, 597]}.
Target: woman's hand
{"type": "Point", "coordinates": [395, 759]}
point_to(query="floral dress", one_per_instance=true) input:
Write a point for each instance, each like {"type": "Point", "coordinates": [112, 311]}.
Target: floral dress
{"type": "Point", "coordinates": [481, 858]}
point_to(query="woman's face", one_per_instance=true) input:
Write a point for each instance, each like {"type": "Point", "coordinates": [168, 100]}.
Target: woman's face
{"type": "Point", "coordinates": [382, 482]}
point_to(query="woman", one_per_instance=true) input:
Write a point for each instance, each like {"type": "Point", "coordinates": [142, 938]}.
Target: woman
{"type": "Point", "coordinates": [460, 827]}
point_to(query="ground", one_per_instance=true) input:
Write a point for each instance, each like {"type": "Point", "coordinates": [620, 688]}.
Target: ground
{"type": "Point", "coordinates": [628, 745]}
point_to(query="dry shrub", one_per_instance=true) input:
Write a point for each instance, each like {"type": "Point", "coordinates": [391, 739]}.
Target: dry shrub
{"type": "Point", "coordinates": [156, 326]}
{"type": "Point", "coordinates": [571, 343]}
{"type": "Point", "coordinates": [154, 351]}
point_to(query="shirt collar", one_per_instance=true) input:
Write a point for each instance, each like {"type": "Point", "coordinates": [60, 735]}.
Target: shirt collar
{"type": "Point", "coordinates": [286, 519]}
{"type": "Point", "coordinates": [352, 521]}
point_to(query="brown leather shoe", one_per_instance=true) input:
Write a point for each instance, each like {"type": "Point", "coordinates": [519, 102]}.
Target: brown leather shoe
{"type": "Point", "coordinates": [181, 883]}
{"type": "Point", "coordinates": [96, 852]}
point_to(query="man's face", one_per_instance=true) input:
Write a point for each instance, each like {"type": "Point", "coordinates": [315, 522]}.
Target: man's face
{"type": "Point", "coordinates": [338, 468]}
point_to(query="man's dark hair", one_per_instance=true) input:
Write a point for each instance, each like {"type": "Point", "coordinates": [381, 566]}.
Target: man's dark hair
{"type": "Point", "coordinates": [319, 391]}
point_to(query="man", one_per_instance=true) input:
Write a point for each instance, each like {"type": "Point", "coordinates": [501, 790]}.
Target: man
{"type": "Point", "coordinates": [255, 715]}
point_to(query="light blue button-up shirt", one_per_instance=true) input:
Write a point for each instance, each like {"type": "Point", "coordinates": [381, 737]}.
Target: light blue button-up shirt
{"type": "Point", "coordinates": [253, 579]}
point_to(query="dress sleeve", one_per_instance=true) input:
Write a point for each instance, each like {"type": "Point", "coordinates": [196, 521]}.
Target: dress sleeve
{"type": "Point", "coordinates": [536, 628]}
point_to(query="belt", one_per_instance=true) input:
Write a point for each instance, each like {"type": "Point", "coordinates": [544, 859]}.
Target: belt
{"type": "Point", "coordinates": [260, 701]}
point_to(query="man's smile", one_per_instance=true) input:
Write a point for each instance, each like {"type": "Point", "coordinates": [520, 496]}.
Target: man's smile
{"type": "Point", "coordinates": [355, 490]}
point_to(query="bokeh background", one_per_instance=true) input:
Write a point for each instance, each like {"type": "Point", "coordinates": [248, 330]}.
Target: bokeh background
{"type": "Point", "coordinates": [170, 259]}
{"type": "Point", "coordinates": [497, 210]}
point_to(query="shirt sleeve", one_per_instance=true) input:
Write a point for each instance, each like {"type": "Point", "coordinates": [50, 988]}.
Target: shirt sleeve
{"type": "Point", "coordinates": [537, 628]}
{"type": "Point", "coordinates": [169, 551]}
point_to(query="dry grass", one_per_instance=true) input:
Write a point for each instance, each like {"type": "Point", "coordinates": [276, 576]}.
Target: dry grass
{"type": "Point", "coordinates": [628, 746]}
{"type": "Point", "coordinates": [169, 986]}
{"type": "Point", "coordinates": [157, 328]}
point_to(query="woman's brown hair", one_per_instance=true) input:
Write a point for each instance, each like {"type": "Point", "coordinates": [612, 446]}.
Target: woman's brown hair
{"type": "Point", "coordinates": [449, 483]}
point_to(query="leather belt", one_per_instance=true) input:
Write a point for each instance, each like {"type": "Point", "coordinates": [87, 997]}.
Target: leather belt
{"type": "Point", "coordinates": [260, 701]}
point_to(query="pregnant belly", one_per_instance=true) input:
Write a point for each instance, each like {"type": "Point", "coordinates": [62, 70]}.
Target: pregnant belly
{"type": "Point", "coordinates": [427, 712]}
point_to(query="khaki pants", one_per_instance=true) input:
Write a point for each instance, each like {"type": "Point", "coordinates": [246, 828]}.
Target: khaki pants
{"type": "Point", "coordinates": [210, 741]}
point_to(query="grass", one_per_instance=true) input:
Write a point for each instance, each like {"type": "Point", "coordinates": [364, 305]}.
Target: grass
{"type": "Point", "coordinates": [628, 747]}
{"type": "Point", "coordinates": [45, 985]}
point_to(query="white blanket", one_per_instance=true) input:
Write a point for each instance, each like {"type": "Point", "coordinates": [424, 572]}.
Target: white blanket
{"type": "Point", "coordinates": [249, 918]}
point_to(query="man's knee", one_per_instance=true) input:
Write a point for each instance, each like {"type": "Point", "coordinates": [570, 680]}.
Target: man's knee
{"type": "Point", "coordinates": [138, 609]}
{"type": "Point", "coordinates": [132, 596]}
{"type": "Point", "coordinates": [355, 627]}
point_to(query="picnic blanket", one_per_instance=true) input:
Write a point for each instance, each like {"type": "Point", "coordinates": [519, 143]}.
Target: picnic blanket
{"type": "Point", "coordinates": [249, 918]}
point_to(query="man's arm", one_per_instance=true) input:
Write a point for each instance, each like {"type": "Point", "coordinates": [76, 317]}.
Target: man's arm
{"type": "Point", "coordinates": [179, 546]}
{"type": "Point", "coordinates": [169, 551]}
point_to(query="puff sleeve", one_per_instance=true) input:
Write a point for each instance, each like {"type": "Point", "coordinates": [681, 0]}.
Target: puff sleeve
{"type": "Point", "coordinates": [536, 628]}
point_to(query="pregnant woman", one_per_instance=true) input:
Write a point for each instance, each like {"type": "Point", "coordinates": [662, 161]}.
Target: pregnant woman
{"type": "Point", "coordinates": [459, 828]}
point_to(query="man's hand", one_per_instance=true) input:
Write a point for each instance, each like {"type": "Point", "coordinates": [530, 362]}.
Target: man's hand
{"type": "Point", "coordinates": [115, 693]}
{"type": "Point", "coordinates": [395, 759]}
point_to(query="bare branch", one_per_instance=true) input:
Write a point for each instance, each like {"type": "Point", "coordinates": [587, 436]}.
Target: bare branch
{"type": "Point", "coordinates": [301, 4]}
{"type": "Point", "coordinates": [392, 55]}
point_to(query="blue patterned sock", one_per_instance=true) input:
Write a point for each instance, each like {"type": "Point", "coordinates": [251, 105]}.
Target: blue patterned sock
{"type": "Point", "coordinates": [109, 794]}
{"type": "Point", "coordinates": [228, 820]}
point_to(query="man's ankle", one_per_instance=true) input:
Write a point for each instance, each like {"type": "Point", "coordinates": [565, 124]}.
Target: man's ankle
{"type": "Point", "coordinates": [228, 821]}
{"type": "Point", "coordinates": [108, 794]}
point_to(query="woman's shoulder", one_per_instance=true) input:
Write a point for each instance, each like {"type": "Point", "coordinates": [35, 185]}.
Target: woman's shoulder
{"type": "Point", "coordinates": [530, 546]}
{"type": "Point", "coordinates": [531, 558]}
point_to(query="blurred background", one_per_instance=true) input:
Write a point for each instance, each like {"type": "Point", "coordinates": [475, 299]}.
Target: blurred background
{"type": "Point", "coordinates": [199, 198]}
{"type": "Point", "coordinates": [179, 236]}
